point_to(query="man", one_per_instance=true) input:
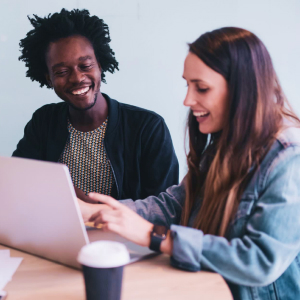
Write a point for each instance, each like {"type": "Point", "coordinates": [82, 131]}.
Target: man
{"type": "Point", "coordinates": [110, 147]}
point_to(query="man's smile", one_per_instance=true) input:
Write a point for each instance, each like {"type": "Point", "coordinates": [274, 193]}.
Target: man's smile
{"type": "Point", "coordinates": [81, 91]}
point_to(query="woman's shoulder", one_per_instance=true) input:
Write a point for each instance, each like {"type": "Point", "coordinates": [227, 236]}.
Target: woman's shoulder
{"type": "Point", "coordinates": [280, 168]}
{"type": "Point", "coordinates": [285, 147]}
{"type": "Point", "coordinates": [283, 156]}
{"type": "Point", "coordinates": [289, 136]}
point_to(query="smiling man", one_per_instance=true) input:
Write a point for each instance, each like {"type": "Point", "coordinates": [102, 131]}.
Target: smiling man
{"type": "Point", "coordinates": [109, 147]}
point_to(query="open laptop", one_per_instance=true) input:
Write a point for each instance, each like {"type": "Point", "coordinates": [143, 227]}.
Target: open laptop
{"type": "Point", "coordinates": [39, 213]}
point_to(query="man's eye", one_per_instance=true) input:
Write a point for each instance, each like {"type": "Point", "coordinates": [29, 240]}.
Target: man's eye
{"type": "Point", "coordinates": [86, 67]}
{"type": "Point", "coordinates": [59, 73]}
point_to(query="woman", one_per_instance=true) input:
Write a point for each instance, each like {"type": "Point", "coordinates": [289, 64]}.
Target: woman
{"type": "Point", "coordinates": [239, 205]}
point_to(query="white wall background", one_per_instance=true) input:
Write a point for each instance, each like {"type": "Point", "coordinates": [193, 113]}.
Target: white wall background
{"type": "Point", "coordinates": [150, 42]}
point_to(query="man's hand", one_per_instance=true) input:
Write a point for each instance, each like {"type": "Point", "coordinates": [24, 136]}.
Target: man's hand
{"type": "Point", "coordinates": [122, 220]}
{"type": "Point", "coordinates": [82, 196]}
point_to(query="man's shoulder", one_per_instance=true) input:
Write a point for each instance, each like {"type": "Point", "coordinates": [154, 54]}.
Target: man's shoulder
{"type": "Point", "coordinates": [52, 107]}
{"type": "Point", "coordinates": [139, 112]}
{"type": "Point", "coordinates": [130, 112]}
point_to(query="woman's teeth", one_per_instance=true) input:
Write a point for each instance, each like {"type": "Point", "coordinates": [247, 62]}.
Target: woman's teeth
{"type": "Point", "coordinates": [200, 114]}
{"type": "Point", "coordinates": [81, 91]}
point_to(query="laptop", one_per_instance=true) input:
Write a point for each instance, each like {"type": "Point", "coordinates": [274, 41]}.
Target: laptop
{"type": "Point", "coordinates": [39, 213]}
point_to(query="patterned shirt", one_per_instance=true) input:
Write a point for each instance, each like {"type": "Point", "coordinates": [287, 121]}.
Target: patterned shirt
{"type": "Point", "coordinates": [85, 156]}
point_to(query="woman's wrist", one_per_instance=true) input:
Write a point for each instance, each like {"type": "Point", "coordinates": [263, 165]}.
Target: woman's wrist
{"type": "Point", "coordinates": [159, 239]}
{"type": "Point", "coordinates": [148, 235]}
{"type": "Point", "coordinates": [166, 245]}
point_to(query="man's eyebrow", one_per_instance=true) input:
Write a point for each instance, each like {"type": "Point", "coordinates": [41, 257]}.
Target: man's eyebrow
{"type": "Point", "coordinates": [58, 65]}
{"type": "Point", "coordinates": [82, 58]}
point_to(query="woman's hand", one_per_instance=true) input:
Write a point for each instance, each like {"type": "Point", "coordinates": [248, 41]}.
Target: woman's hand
{"type": "Point", "coordinates": [82, 196]}
{"type": "Point", "coordinates": [88, 209]}
{"type": "Point", "coordinates": [122, 220]}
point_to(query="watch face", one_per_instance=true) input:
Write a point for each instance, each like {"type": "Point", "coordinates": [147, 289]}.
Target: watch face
{"type": "Point", "coordinates": [160, 231]}
{"type": "Point", "coordinates": [158, 234]}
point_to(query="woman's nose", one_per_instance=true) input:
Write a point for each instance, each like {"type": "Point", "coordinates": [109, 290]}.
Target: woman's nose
{"type": "Point", "coordinates": [189, 100]}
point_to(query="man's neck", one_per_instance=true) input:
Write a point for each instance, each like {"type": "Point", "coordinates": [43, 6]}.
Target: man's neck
{"type": "Point", "coordinates": [89, 119]}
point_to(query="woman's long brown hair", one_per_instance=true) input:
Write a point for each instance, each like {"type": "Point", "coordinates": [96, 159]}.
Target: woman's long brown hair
{"type": "Point", "coordinates": [221, 165]}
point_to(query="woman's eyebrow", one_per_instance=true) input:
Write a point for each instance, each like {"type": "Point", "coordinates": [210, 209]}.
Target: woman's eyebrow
{"type": "Point", "coordinates": [194, 80]}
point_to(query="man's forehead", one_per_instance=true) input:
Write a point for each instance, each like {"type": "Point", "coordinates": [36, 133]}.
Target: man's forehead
{"type": "Point", "coordinates": [75, 48]}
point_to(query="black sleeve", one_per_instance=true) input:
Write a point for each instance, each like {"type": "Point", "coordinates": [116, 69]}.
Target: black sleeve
{"type": "Point", "coordinates": [30, 146]}
{"type": "Point", "coordinates": [159, 164]}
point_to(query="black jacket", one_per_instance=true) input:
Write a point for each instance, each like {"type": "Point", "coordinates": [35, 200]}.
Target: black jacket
{"type": "Point", "coordinates": [137, 143]}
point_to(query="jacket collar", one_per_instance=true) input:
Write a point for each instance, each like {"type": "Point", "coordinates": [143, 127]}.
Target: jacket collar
{"type": "Point", "coordinates": [113, 113]}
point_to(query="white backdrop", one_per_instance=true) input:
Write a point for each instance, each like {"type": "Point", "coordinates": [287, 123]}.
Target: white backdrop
{"type": "Point", "coordinates": [150, 42]}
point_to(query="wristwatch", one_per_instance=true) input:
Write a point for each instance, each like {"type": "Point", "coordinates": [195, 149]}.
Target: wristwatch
{"type": "Point", "coordinates": [158, 234]}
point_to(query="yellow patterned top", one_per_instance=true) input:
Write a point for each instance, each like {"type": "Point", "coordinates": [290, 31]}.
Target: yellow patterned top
{"type": "Point", "coordinates": [85, 156]}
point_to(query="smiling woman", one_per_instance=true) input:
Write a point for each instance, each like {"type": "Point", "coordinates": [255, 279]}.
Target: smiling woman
{"type": "Point", "coordinates": [237, 210]}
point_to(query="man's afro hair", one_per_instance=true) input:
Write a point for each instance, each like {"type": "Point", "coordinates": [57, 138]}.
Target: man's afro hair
{"type": "Point", "coordinates": [62, 25]}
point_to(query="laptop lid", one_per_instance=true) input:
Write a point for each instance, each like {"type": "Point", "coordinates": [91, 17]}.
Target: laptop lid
{"type": "Point", "coordinates": [39, 212]}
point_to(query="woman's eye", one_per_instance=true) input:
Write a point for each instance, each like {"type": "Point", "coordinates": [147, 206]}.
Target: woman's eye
{"type": "Point", "coordinates": [202, 90]}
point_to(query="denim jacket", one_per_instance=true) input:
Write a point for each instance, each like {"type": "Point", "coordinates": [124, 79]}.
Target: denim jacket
{"type": "Point", "coordinates": [260, 256]}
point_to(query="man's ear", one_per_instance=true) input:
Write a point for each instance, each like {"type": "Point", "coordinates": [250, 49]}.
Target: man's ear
{"type": "Point", "coordinates": [49, 80]}
{"type": "Point", "coordinates": [100, 67]}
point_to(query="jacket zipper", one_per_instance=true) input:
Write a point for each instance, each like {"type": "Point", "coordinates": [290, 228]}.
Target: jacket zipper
{"type": "Point", "coordinates": [113, 172]}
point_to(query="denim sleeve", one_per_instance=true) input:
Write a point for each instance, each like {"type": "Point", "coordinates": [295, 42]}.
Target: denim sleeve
{"type": "Point", "coordinates": [165, 209]}
{"type": "Point", "coordinates": [272, 237]}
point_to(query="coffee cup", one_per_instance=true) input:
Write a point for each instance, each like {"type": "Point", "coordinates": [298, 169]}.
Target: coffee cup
{"type": "Point", "coordinates": [102, 264]}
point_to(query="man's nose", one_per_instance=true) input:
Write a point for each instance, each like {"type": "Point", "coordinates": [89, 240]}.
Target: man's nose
{"type": "Point", "coordinates": [76, 76]}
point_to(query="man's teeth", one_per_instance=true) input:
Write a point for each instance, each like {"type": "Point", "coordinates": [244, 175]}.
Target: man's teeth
{"type": "Point", "coordinates": [200, 114]}
{"type": "Point", "coordinates": [81, 91]}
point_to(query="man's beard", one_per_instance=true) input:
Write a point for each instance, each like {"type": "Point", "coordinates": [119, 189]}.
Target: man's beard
{"type": "Point", "coordinates": [86, 108]}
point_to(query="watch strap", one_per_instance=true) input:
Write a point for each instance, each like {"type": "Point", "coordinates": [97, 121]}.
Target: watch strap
{"type": "Point", "coordinates": [158, 234]}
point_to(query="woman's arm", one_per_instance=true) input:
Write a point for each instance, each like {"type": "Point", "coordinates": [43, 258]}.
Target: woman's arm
{"type": "Point", "coordinates": [126, 222]}
{"type": "Point", "coordinates": [131, 225]}
{"type": "Point", "coordinates": [165, 209]}
{"type": "Point", "coordinates": [162, 210]}
{"type": "Point", "coordinates": [271, 241]}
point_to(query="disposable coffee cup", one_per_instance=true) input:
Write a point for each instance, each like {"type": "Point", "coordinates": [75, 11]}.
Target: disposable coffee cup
{"type": "Point", "coordinates": [102, 264]}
